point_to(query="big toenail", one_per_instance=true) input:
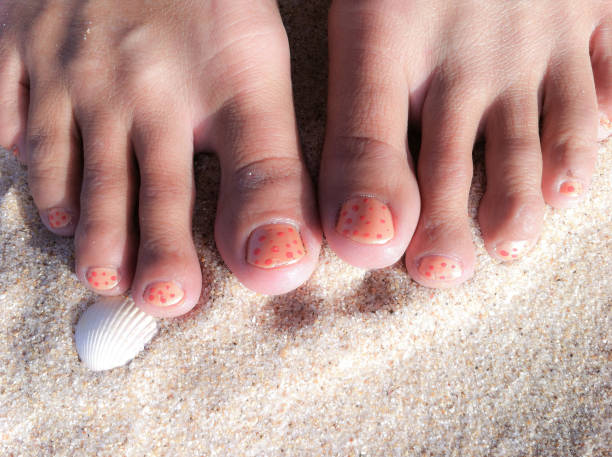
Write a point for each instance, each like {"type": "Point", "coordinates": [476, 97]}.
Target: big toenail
{"type": "Point", "coordinates": [511, 250]}
{"type": "Point", "coordinates": [440, 268]}
{"type": "Point", "coordinates": [103, 278]}
{"type": "Point", "coordinates": [605, 127]}
{"type": "Point", "coordinates": [58, 218]}
{"type": "Point", "coordinates": [165, 293]}
{"type": "Point", "coordinates": [275, 245]}
{"type": "Point", "coordinates": [571, 188]}
{"type": "Point", "coordinates": [366, 220]}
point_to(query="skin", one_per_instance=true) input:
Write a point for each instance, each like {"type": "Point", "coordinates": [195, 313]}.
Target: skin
{"type": "Point", "coordinates": [106, 102]}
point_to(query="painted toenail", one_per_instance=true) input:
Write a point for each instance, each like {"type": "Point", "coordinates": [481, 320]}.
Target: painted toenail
{"type": "Point", "coordinates": [58, 218]}
{"type": "Point", "coordinates": [167, 293]}
{"type": "Point", "coordinates": [103, 278]}
{"type": "Point", "coordinates": [605, 127]}
{"type": "Point", "coordinates": [275, 245]}
{"type": "Point", "coordinates": [440, 268]}
{"type": "Point", "coordinates": [366, 220]}
{"type": "Point", "coordinates": [571, 188]}
{"type": "Point", "coordinates": [511, 250]}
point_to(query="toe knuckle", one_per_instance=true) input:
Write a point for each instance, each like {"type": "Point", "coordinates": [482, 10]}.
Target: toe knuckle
{"type": "Point", "coordinates": [269, 171]}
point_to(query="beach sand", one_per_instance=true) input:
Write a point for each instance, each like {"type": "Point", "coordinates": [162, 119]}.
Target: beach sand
{"type": "Point", "coordinates": [515, 362]}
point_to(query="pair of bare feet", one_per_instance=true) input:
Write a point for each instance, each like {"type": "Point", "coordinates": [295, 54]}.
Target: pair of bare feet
{"type": "Point", "coordinates": [106, 102]}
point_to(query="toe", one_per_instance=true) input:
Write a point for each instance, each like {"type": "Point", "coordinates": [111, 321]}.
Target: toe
{"type": "Point", "coordinates": [168, 279]}
{"type": "Point", "coordinates": [267, 226]}
{"type": "Point", "coordinates": [512, 208]}
{"type": "Point", "coordinates": [441, 253]}
{"type": "Point", "coordinates": [54, 158]}
{"type": "Point", "coordinates": [601, 60]}
{"type": "Point", "coordinates": [13, 103]}
{"type": "Point", "coordinates": [369, 197]}
{"type": "Point", "coordinates": [106, 237]}
{"type": "Point", "coordinates": [569, 131]}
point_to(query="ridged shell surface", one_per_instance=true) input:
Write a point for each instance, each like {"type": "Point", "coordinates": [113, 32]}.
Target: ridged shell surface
{"type": "Point", "coordinates": [111, 332]}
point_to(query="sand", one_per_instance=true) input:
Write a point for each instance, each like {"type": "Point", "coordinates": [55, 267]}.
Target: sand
{"type": "Point", "coordinates": [516, 362]}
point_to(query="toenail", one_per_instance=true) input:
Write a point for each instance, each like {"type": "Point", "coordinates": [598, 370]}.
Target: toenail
{"type": "Point", "coordinates": [103, 278]}
{"type": "Point", "coordinates": [275, 245]}
{"type": "Point", "coordinates": [15, 151]}
{"type": "Point", "coordinates": [164, 293]}
{"type": "Point", "coordinates": [366, 220]}
{"type": "Point", "coordinates": [571, 188]}
{"type": "Point", "coordinates": [605, 127]}
{"type": "Point", "coordinates": [511, 250]}
{"type": "Point", "coordinates": [440, 268]}
{"type": "Point", "coordinates": [58, 218]}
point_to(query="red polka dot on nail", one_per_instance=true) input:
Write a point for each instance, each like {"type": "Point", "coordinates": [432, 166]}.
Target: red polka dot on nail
{"type": "Point", "coordinates": [57, 213]}
{"type": "Point", "coordinates": [51, 217]}
{"type": "Point", "coordinates": [427, 273]}
{"type": "Point", "coordinates": [159, 292]}
{"type": "Point", "coordinates": [443, 264]}
{"type": "Point", "coordinates": [163, 300]}
{"type": "Point", "coordinates": [361, 217]}
{"type": "Point", "coordinates": [172, 295]}
{"type": "Point", "coordinates": [287, 245]}
{"type": "Point", "coordinates": [366, 235]}
{"type": "Point", "coordinates": [257, 262]}
{"type": "Point", "coordinates": [299, 252]}
{"type": "Point", "coordinates": [113, 278]}
{"type": "Point", "coordinates": [151, 297]}
{"type": "Point", "coordinates": [290, 230]}
{"type": "Point", "coordinates": [384, 208]}
{"type": "Point", "coordinates": [504, 253]}
{"type": "Point", "coordinates": [355, 207]}
{"type": "Point", "coordinates": [64, 217]}
{"type": "Point", "coordinates": [431, 267]}
{"type": "Point", "coordinates": [441, 277]}
{"type": "Point", "coordinates": [106, 283]}
{"type": "Point", "coordinates": [167, 287]}
{"type": "Point", "coordinates": [346, 231]}
{"type": "Point", "coordinates": [515, 249]}
{"type": "Point", "coordinates": [452, 266]}
{"type": "Point", "coordinates": [93, 273]}
{"type": "Point", "coordinates": [289, 255]}
{"type": "Point", "coordinates": [294, 241]}
{"type": "Point", "coordinates": [261, 238]}
{"type": "Point", "coordinates": [378, 235]}
{"type": "Point", "coordinates": [355, 232]}
{"type": "Point", "coordinates": [368, 222]}
{"type": "Point", "coordinates": [570, 188]}
{"type": "Point", "coordinates": [268, 261]}
{"type": "Point", "coordinates": [256, 251]}
{"type": "Point", "coordinates": [104, 273]}
{"type": "Point", "coordinates": [371, 208]}
{"type": "Point", "coordinates": [349, 221]}
{"type": "Point", "coordinates": [344, 213]}
{"type": "Point", "coordinates": [382, 221]}
{"type": "Point", "coordinates": [365, 200]}
{"type": "Point", "coordinates": [96, 284]}
{"type": "Point", "coordinates": [275, 249]}
{"type": "Point", "coordinates": [280, 233]}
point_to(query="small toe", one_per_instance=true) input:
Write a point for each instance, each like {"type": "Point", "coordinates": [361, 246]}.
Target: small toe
{"type": "Point", "coordinates": [569, 131]}
{"type": "Point", "coordinates": [441, 253]}
{"type": "Point", "coordinates": [512, 208]}
{"type": "Point", "coordinates": [54, 158]}
{"type": "Point", "coordinates": [106, 238]}
{"type": "Point", "coordinates": [13, 103]}
{"type": "Point", "coordinates": [168, 278]}
{"type": "Point", "coordinates": [601, 60]}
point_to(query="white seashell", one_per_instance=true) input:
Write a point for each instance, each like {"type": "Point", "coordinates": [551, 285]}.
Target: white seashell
{"type": "Point", "coordinates": [111, 332]}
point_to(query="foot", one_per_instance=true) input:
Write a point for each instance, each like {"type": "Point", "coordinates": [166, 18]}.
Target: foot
{"type": "Point", "coordinates": [107, 101]}
{"type": "Point", "coordinates": [457, 70]}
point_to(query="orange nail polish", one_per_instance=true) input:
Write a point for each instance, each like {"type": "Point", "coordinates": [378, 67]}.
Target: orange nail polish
{"type": "Point", "coordinates": [103, 278]}
{"type": "Point", "coordinates": [165, 293]}
{"type": "Point", "coordinates": [511, 250]}
{"type": "Point", "coordinates": [58, 218]}
{"type": "Point", "coordinates": [571, 188]}
{"type": "Point", "coordinates": [605, 127]}
{"type": "Point", "coordinates": [366, 220]}
{"type": "Point", "coordinates": [275, 245]}
{"type": "Point", "coordinates": [440, 268]}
